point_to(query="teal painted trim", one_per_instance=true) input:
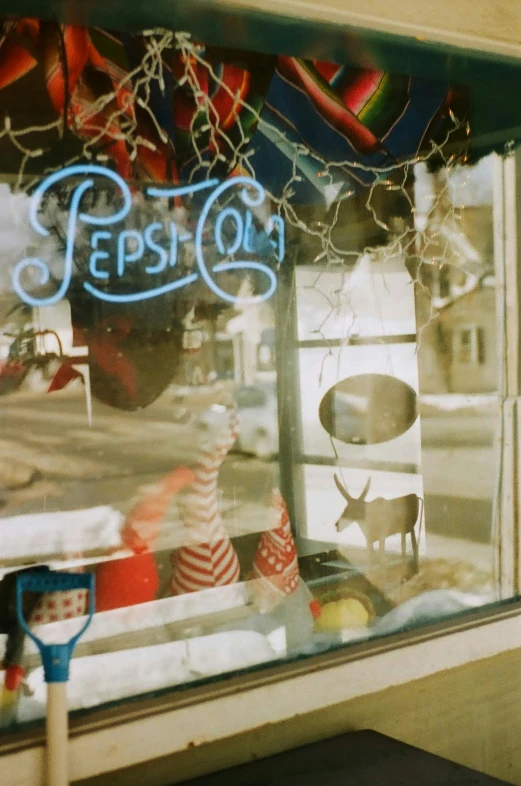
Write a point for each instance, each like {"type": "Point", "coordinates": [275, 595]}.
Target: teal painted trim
{"type": "Point", "coordinates": [252, 30]}
{"type": "Point", "coordinates": [494, 80]}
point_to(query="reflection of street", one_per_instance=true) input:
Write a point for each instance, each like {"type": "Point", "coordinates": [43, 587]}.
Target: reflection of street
{"type": "Point", "coordinates": [123, 452]}
{"type": "Point", "coordinates": [459, 488]}
{"type": "Point", "coordinates": [110, 463]}
{"type": "Point", "coordinates": [458, 468]}
{"type": "Point", "coordinates": [455, 430]}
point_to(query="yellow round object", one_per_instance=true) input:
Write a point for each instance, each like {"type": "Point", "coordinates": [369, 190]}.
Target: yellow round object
{"type": "Point", "coordinates": [343, 613]}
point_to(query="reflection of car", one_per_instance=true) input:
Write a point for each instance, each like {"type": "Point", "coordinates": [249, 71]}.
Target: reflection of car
{"type": "Point", "coordinates": [368, 409]}
{"type": "Point", "coordinates": [349, 420]}
{"type": "Point", "coordinates": [259, 425]}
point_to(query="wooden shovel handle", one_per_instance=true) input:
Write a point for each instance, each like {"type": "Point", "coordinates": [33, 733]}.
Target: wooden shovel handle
{"type": "Point", "coordinates": [57, 735]}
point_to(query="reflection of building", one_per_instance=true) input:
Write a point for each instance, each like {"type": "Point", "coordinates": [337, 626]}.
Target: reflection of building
{"type": "Point", "coordinates": [457, 351]}
{"type": "Point", "coordinates": [245, 344]}
{"type": "Point", "coordinates": [455, 301]}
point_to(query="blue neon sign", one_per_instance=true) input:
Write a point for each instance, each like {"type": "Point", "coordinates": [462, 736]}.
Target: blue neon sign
{"type": "Point", "coordinates": [132, 244]}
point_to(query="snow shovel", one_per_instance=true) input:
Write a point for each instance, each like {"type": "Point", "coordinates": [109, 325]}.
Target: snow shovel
{"type": "Point", "coordinates": [55, 659]}
{"type": "Point", "coordinates": [13, 656]}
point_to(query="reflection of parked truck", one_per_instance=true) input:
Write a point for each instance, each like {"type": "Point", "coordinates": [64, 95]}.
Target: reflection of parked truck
{"type": "Point", "coordinates": [259, 419]}
{"type": "Point", "coordinates": [259, 422]}
{"type": "Point", "coordinates": [24, 353]}
{"type": "Point", "coordinates": [13, 366]}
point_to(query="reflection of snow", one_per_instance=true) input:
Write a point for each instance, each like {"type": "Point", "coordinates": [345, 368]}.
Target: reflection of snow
{"type": "Point", "coordinates": [118, 675]}
{"type": "Point", "coordinates": [19, 240]}
{"type": "Point", "coordinates": [454, 402]}
{"type": "Point", "coordinates": [468, 186]}
{"type": "Point", "coordinates": [33, 536]}
{"type": "Point", "coordinates": [147, 616]}
{"type": "Point", "coordinates": [375, 299]}
{"type": "Point", "coordinates": [472, 186]}
{"type": "Point", "coordinates": [427, 608]}
{"type": "Point", "coordinates": [423, 194]}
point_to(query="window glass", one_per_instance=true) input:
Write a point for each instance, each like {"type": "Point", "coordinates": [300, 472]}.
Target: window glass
{"type": "Point", "coordinates": [250, 355]}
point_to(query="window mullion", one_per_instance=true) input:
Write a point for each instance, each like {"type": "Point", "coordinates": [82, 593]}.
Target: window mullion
{"type": "Point", "coordinates": [507, 175]}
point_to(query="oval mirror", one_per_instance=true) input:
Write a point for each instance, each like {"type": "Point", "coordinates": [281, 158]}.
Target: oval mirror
{"type": "Point", "coordinates": [368, 409]}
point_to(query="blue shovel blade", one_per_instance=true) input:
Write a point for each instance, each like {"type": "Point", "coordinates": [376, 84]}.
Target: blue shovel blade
{"type": "Point", "coordinates": [55, 657]}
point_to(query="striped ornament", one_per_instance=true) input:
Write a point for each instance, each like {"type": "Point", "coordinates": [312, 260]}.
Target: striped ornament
{"type": "Point", "coordinates": [143, 524]}
{"type": "Point", "coordinates": [135, 579]}
{"type": "Point", "coordinates": [275, 573]}
{"type": "Point", "coordinates": [210, 559]}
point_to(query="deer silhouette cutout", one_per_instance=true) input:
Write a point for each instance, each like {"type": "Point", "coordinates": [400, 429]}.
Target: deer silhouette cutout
{"type": "Point", "coordinates": [380, 518]}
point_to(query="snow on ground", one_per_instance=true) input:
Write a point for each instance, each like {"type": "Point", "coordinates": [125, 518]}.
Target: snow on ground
{"type": "Point", "coordinates": [456, 401]}
{"type": "Point", "coordinates": [144, 616]}
{"type": "Point", "coordinates": [33, 536]}
{"type": "Point", "coordinates": [118, 675]}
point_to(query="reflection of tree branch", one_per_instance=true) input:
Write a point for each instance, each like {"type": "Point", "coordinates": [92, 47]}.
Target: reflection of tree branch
{"type": "Point", "coordinates": [21, 308]}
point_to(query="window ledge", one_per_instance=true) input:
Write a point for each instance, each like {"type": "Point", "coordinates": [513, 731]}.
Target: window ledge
{"type": "Point", "coordinates": [116, 739]}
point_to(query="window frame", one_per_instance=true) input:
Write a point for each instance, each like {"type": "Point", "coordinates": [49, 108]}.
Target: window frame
{"type": "Point", "coordinates": [100, 739]}
{"type": "Point", "coordinates": [476, 345]}
{"type": "Point", "coordinates": [112, 739]}
{"type": "Point", "coordinates": [107, 740]}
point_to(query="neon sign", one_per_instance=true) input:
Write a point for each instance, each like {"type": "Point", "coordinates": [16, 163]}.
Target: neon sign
{"type": "Point", "coordinates": [131, 244]}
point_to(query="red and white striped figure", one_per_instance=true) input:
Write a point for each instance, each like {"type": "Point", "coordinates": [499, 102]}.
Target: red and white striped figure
{"type": "Point", "coordinates": [143, 524]}
{"type": "Point", "coordinates": [275, 571]}
{"type": "Point", "coordinates": [210, 559]}
{"type": "Point", "coordinates": [132, 580]}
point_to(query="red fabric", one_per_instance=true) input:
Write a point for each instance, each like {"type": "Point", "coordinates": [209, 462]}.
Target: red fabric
{"type": "Point", "coordinates": [315, 608]}
{"type": "Point", "coordinates": [126, 582]}
{"type": "Point", "coordinates": [104, 351]}
{"type": "Point", "coordinates": [14, 676]}
{"type": "Point", "coordinates": [63, 376]}
{"type": "Point", "coordinates": [133, 580]}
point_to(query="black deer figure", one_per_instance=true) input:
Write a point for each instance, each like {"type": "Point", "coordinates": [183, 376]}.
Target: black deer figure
{"type": "Point", "coordinates": [381, 518]}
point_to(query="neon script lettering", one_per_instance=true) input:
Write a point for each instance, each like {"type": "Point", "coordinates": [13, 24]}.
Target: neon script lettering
{"type": "Point", "coordinates": [233, 232]}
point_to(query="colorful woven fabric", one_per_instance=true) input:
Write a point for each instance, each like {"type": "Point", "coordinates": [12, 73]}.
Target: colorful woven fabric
{"type": "Point", "coordinates": [359, 120]}
{"type": "Point", "coordinates": [193, 114]}
{"type": "Point", "coordinates": [207, 105]}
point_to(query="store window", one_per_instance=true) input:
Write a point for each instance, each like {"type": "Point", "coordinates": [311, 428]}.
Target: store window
{"type": "Point", "coordinates": [251, 354]}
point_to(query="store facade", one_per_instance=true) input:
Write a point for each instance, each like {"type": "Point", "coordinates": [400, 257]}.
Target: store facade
{"type": "Point", "coordinates": [260, 375]}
